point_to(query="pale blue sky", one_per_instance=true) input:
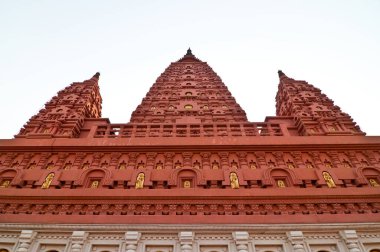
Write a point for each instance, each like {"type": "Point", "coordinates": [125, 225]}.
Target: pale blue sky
{"type": "Point", "coordinates": [46, 45]}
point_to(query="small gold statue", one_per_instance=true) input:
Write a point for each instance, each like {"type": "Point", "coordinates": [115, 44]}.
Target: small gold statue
{"type": "Point", "coordinates": [48, 180]}
{"type": "Point", "coordinates": [5, 183]}
{"type": "Point", "coordinates": [290, 165]}
{"type": "Point", "coordinates": [281, 183]}
{"type": "Point", "coordinates": [94, 184]}
{"type": "Point", "coordinates": [373, 182]}
{"type": "Point", "coordinates": [186, 184]}
{"type": "Point", "coordinates": [329, 180]}
{"type": "Point", "coordinates": [234, 180]}
{"type": "Point", "coordinates": [159, 166]}
{"type": "Point", "coordinates": [122, 166]}
{"type": "Point", "coordinates": [140, 181]}
{"type": "Point", "coordinates": [215, 166]}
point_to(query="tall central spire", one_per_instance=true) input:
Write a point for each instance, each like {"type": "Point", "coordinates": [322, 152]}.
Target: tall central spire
{"type": "Point", "coordinates": [188, 91]}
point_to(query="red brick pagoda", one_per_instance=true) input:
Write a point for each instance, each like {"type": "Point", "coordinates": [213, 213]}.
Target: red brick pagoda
{"type": "Point", "coordinates": [189, 172]}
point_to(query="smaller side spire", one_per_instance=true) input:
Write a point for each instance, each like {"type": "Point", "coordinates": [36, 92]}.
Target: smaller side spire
{"type": "Point", "coordinates": [97, 75]}
{"type": "Point", "coordinates": [280, 73]}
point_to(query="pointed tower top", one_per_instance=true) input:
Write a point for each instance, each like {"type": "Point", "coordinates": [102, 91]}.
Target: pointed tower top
{"type": "Point", "coordinates": [189, 53]}
{"type": "Point", "coordinates": [189, 56]}
{"type": "Point", "coordinates": [96, 75]}
{"type": "Point", "coordinates": [280, 73]}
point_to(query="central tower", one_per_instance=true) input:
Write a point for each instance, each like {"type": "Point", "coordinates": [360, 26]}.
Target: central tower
{"type": "Point", "coordinates": [188, 91]}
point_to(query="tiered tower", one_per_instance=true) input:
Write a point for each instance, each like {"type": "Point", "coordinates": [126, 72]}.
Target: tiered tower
{"type": "Point", "coordinates": [189, 172]}
{"type": "Point", "coordinates": [64, 114]}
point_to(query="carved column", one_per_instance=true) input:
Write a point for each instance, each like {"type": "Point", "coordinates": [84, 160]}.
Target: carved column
{"type": "Point", "coordinates": [297, 155]}
{"type": "Point", "coordinates": [131, 240]}
{"type": "Point", "coordinates": [61, 159]}
{"type": "Point", "coordinates": [297, 240]}
{"type": "Point", "coordinates": [241, 239]}
{"type": "Point", "coordinates": [114, 160]}
{"type": "Point", "coordinates": [260, 156]}
{"type": "Point", "coordinates": [77, 240]}
{"type": "Point", "coordinates": [132, 160]}
{"type": "Point", "coordinates": [78, 160]}
{"type": "Point", "coordinates": [186, 241]}
{"type": "Point", "coordinates": [169, 160]}
{"type": "Point", "coordinates": [224, 160]}
{"type": "Point", "coordinates": [150, 158]}
{"type": "Point", "coordinates": [279, 158]}
{"type": "Point", "coordinates": [317, 159]}
{"type": "Point", "coordinates": [26, 238]}
{"type": "Point", "coordinates": [351, 239]}
{"type": "Point", "coordinates": [242, 159]}
{"type": "Point", "coordinates": [205, 160]}
{"type": "Point", "coordinates": [187, 159]}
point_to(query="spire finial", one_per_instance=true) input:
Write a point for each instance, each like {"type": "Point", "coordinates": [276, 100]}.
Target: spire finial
{"type": "Point", "coordinates": [280, 73]}
{"type": "Point", "coordinates": [96, 75]}
{"type": "Point", "coordinates": [189, 53]}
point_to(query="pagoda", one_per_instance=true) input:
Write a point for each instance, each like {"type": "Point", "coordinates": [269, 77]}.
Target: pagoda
{"type": "Point", "coordinates": [190, 173]}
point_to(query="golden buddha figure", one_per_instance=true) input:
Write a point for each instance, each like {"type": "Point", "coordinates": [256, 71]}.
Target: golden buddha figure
{"type": "Point", "coordinates": [290, 165]}
{"type": "Point", "coordinates": [140, 181]}
{"type": "Point", "coordinates": [94, 184]}
{"type": "Point", "coordinates": [234, 180]}
{"type": "Point", "coordinates": [186, 184]}
{"type": "Point", "coordinates": [50, 167]}
{"type": "Point", "coordinates": [215, 166]}
{"type": "Point", "coordinates": [281, 183]}
{"type": "Point", "coordinates": [5, 183]}
{"type": "Point", "coordinates": [329, 180]}
{"type": "Point", "coordinates": [48, 180]}
{"type": "Point", "coordinates": [32, 166]}
{"type": "Point", "coordinates": [252, 165]}
{"type": "Point", "coordinates": [67, 166]}
{"type": "Point", "coordinates": [159, 166]}
{"type": "Point", "coordinates": [373, 182]}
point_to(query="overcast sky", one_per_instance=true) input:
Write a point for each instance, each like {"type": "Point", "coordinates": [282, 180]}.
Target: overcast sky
{"type": "Point", "coordinates": [46, 45]}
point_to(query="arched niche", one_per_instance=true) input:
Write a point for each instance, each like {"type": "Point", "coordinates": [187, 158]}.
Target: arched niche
{"type": "Point", "coordinates": [6, 177]}
{"type": "Point", "coordinates": [180, 176]}
{"type": "Point", "coordinates": [87, 178]}
{"type": "Point", "coordinates": [273, 175]}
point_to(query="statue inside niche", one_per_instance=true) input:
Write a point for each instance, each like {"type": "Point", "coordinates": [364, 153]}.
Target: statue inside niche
{"type": "Point", "coordinates": [309, 165]}
{"type": "Point", "coordinates": [196, 165]}
{"type": "Point", "coordinates": [252, 165]}
{"type": "Point", "coordinates": [85, 166]}
{"type": "Point", "coordinates": [48, 180]}
{"type": "Point", "coordinates": [373, 182]}
{"type": "Point", "coordinates": [5, 183]}
{"type": "Point", "coordinates": [177, 165]}
{"type": "Point", "coordinates": [67, 166]}
{"type": "Point", "coordinates": [32, 166]}
{"type": "Point", "coordinates": [328, 179]}
{"type": "Point", "coordinates": [140, 181]}
{"type": "Point", "coordinates": [290, 165]}
{"type": "Point", "coordinates": [141, 165]}
{"type": "Point", "coordinates": [122, 166]}
{"type": "Point", "coordinates": [234, 180]}
{"type": "Point", "coordinates": [50, 166]}
{"type": "Point", "coordinates": [94, 184]}
{"type": "Point", "coordinates": [215, 165]}
{"type": "Point", "coordinates": [234, 165]}
{"type": "Point", "coordinates": [186, 184]}
{"type": "Point", "coordinates": [328, 164]}
{"type": "Point", "coordinates": [346, 164]}
{"type": "Point", "coordinates": [159, 166]}
{"type": "Point", "coordinates": [281, 183]}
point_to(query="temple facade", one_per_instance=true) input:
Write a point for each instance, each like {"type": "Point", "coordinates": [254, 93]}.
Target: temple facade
{"type": "Point", "coordinates": [190, 173]}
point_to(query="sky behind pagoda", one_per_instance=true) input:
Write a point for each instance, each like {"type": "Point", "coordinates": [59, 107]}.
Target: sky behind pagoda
{"type": "Point", "coordinates": [46, 45]}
